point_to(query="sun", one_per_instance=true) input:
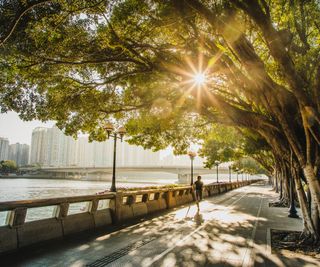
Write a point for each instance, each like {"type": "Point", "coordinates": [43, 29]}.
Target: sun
{"type": "Point", "coordinates": [199, 78]}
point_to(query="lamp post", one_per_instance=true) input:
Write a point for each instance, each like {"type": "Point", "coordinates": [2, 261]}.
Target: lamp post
{"type": "Point", "coordinates": [280, 196]}
{"type": "Point", "coordinates": [292, 209]}
{"type": "Point", "coordinates": [229, 174]}
{"type": "Point", "coordinates": [217, 166]}
{"type": "Point", "coordinates": [192, 155]}
{"type": "Point", "coordinates": [116, 134]}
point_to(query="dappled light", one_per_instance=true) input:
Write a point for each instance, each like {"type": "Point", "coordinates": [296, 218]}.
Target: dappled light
{"type": "Point", "coordinates": [228, 229]}
{"type": "Point", "coordinates": [240, 77]}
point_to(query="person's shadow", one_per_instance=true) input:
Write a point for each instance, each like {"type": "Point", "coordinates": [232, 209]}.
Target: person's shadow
{"type": "Point", "coordinates": [198, 218]}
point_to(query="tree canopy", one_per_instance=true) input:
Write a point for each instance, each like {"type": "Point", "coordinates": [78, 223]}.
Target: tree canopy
{"type": "Point", "coordinates": [8, 166]}
{"type": "Point", "coordinates": [83, 63]}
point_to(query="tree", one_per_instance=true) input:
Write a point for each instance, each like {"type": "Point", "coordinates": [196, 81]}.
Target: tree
{"type": "Point", "coordinates": [248, 165]}
{"type": "Point", "coordinates": [134, 61]}
{"type": "Point", "coordinates": [225, 143]}
{"type": "Point", "coordinates": [8, 166]}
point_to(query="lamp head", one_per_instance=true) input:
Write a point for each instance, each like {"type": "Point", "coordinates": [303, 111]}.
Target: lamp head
{"type": "Point", "coordinates": [122, 131]}
{"type": "Point", "coordinates": [109, 128]}
{"type": "Point", "coordinates": [192, 154]}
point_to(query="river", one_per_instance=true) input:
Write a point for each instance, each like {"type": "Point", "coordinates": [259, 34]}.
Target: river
{"type": "Point", "coordinates": [29, 188]}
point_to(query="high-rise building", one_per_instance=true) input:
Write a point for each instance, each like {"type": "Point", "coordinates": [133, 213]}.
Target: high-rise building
{"type": "Point", "coordinates": [19, 153]}
{"type": "Point", "coordinates": [4, 148]}
{"type": "Point", "coordinates": [70, 154]}
{"type": "Point", "coordinates": [85, 153]}
{"type": "Point", "coordinates": [134, 156]}
{"type": "Point", "coordinates": [39, 146]}
{"type": "Point", "coordinates": [51, 147]}
{"type": "Point", "coordinates": [102, 153]}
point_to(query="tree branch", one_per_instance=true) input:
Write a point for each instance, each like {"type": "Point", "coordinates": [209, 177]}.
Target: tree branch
{"type": "Point", "coordinates": [17, 19]}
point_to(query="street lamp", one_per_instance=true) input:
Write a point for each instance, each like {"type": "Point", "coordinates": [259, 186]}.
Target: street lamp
{"type": "Point", "coordinates": [217, 165]}
{"type": "Point", "coordinates": [192, 155]}
{"type": "Point", "coordinates": [116, 134]}
{"type": "Point", "coordinates": [292, 209]}
{"type": "Point", "coordinates": [229, 173]}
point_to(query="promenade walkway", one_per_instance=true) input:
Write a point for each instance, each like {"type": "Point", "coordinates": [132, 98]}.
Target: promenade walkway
{"type": "Point", "coordinates": [229, 230]}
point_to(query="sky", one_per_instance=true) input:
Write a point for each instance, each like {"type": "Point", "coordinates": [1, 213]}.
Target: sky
{"type": "Point", "coordinates": [16, 130]}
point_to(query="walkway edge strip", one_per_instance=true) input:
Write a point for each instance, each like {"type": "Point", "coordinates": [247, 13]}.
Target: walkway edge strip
{"type": "Point", "coordinates": [247, 261]}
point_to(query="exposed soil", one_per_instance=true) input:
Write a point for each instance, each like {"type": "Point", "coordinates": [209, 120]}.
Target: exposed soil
{"type": "Point", "coordinates": [292, 240]}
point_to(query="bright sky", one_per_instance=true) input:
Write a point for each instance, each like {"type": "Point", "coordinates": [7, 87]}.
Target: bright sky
{"type": "Point", "coordinates": [18, 131]}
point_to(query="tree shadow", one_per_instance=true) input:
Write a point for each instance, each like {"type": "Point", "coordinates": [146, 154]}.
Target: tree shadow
{"type": "Point", "coordinates": [218, 233]}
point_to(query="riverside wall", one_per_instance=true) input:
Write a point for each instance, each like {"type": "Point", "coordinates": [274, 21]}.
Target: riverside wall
{"type": "Point", "coordinates": [97, 212]}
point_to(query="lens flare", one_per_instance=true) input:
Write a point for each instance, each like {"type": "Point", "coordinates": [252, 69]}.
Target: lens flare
{"type": "Point", "coordinates": [199, 78]}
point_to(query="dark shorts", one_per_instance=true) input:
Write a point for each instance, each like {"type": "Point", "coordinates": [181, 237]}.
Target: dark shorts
{"type": "Point", "coordinates": [198, 195]}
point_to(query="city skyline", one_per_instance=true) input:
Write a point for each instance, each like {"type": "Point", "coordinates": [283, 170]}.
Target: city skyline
{"type": "Point", "coordinates": [16, 152]}
{"type": "Point", "coordinates": [51, 147]}
{"type": "Point", "coordinates": [18, 131]}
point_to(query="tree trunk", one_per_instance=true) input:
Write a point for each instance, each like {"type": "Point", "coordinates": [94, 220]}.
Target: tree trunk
{"type": "Point", "coordinates": [307, 220]}
{"type": "Point", "coordinates": [314, 185]}
{"type": "Point", "coordinates": [285, 184]}
{"type": "Point", "coordinates": [276, 181]}
{"type": "Point", "coordinates": [315, 218]}
{"type": "Point", "coordinates": [309, 200]}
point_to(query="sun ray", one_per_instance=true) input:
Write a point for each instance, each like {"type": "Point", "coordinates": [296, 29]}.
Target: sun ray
{"type": "Point", "coordinates": [196, 77]}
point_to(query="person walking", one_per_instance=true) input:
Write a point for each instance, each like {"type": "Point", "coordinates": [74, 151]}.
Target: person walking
{"type": "Point", "coordinates": [198, 187]}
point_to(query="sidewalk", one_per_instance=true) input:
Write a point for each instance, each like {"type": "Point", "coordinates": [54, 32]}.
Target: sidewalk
{"type": "Point", "coordinates": [229, 230]}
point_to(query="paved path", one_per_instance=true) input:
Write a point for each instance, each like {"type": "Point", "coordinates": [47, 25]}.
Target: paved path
{"type": "Point", "coordinates": [228, 230]}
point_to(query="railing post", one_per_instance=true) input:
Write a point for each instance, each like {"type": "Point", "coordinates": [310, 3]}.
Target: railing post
{"type": "Point", "coordinates": [169, 199]}
{"type": "Point", "coordinates": [61, 211]}
{"type": "Point", "coordinates": [116, 215]}
{"type": "Point", "coordinates": [145, 197]}
{"type": "Point", "coordinates": [93, 205]}
{"type": "Point", "coordinates": [156, 196]}
{"type": "Point", "coordinates": [208, 190]}
{"type": "Point", "coordinates": [16, 217]}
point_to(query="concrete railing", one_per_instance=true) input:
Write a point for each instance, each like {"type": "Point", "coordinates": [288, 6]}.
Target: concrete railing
{"type": "Point", "coordinates": [24, 225]}
{"type": "Point", "coordinates": [65, 219]}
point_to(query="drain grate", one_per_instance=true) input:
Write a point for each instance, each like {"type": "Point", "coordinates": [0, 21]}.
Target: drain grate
{"type": "Point", "coordinates": [120, 253]}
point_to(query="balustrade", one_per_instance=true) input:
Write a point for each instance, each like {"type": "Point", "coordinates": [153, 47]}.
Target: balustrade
{"type": "Point", "coordinates": [31, 221]}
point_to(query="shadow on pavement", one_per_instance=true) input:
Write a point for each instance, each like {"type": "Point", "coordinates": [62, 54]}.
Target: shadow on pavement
{"type": "Point", "coordinates": [221, 233]}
